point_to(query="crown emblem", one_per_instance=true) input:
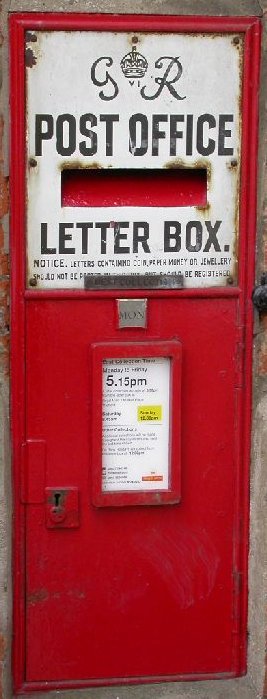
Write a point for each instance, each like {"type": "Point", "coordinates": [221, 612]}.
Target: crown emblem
{"type": "Point", "coordinates": [133, 64]}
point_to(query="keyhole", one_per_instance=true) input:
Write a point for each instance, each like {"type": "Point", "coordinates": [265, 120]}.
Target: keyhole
{"type": "Point", "coordinates": [57, 497]}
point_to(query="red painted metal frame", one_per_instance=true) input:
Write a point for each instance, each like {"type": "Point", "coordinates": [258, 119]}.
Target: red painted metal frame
{"type": "Point", "coordinates": [172, 495]}
{"type": "Point", "coordinates": [19, 23]}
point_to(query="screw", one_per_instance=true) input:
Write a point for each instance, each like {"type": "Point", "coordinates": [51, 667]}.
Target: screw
{"type": "Point", "coordinates": [32, 162]}
{"type": "Point", "coordinates": [33, 281]}
{"type": "Point", "coordinates": [230, 280]}
{"type": "Point", "coordinates": [236, 40]}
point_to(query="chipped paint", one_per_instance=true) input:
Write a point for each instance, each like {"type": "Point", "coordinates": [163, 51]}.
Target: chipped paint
{"type": "Point", "coordinates": [30, 37]}
{"type": "Point", "coordinates": [182, 163]}
{"type": "Point", "coordinates": [79, 165]}
{"type": "Point", "coordinates": [30, 58]}
{"type": "Point", "coordinates": [38, 596]}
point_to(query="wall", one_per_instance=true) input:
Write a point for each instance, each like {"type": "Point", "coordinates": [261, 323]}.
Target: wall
{"type": "Point", "coordinates": [253, 685]}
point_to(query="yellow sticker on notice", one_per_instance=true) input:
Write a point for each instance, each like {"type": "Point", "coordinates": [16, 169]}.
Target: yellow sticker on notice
{"type": "Point", "coordinates": [149, 412]}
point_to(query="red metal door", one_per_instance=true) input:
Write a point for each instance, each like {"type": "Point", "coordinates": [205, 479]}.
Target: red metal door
{"type": "Point", "coordinates": [136, 592]}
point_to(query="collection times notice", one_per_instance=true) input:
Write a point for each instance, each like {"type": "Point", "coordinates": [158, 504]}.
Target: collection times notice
{"type": "Point", "coordinates": [136, 424]}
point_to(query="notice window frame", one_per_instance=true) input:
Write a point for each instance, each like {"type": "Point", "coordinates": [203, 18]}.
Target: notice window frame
{"type": "Point", "coordinates": [104, 351]}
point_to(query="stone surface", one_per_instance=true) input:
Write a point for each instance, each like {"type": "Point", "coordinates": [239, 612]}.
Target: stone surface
{"type": "Point", "coordinates": [232, 689]}
{"type": "Point", "coordinates": [167, 7]}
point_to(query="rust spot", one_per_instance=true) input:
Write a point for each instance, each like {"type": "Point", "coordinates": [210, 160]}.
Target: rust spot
{"type": "Point", "coordinates": [236, 170]}
{"type": "Point", "coordinates": [177, 163]}
{"type": "Point", "coordinates": [233, 164]}
{"type": "Point", "coordinates": [205, 210]}
{"type": "Point", "coordinates": [38, 596]}
{"type": "Point", "coordinates": [199, 164]}
{"type": "Point", "coordinates": [133, 40]}
{"type": "Point", "coordinates": [79, 165]}
{"type": "Point", "coordinates": [30, 58]}
{"type": "Point", "coordinates": [30, 37]}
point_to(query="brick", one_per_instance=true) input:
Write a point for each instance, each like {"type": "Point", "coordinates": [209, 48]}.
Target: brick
{"type": "Point", "coordinates": [4, 264]}
{"type": "Point", "coordinates": [4, 195]}
{"type": "Point", "coordinates": [262, 356]}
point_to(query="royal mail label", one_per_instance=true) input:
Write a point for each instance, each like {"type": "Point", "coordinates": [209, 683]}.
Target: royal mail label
{"type": "Point", "coordinates": [126, 101]}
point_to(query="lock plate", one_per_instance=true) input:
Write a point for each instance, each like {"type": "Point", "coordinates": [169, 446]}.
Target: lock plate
{"type": "Point", "coordinates": [62, 508]}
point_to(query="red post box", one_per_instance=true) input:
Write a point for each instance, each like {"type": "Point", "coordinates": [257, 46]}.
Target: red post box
{"type": "Point", "coordinates": [133, 222]}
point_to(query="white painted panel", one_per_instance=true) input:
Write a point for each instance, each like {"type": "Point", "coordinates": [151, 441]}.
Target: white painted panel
{"type": "Point", "coordinates": [195, 77]}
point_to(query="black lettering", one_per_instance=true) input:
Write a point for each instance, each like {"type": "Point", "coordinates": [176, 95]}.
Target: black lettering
{"type": "Point", "coordinates": [172, 239]}
{"type": "Point", "coordinates": [195, 226]}
{"type": "Point", "coordinates": [141, 238]}
{"type": "Point", "coordinates": [103, 235]}
{"type": "Point", "coordinates": [212, 239]}
{"type": "Point", "coordinates": [174, 134]}
{"type": "Point", "coordinates": [189, 134]}
{"type": "Point", "coordinates": [66, 127]}
{"type": "Point", "coordinates": [44, 249]}
{"type": "Point", "coordinates": [172, 74]}
{"type": "Point", "coordinates": [41, 135]}
{"type": "Point", "coordinates": [106, 80]}
{"type": "Point", "coordinates": [63, 236]}
{"type": "Point", "coordinates": [224, 133]}
{"type": "Point", "coordinates": [210, 144]}
{"type": "Point", "coordinates": [156, 132]}
{"type": "Point", "coordinates": [118, 236]}
{"type": "Point", "coordinates": [84, 228]}
{"type": "Point", "coordinates": [109, 120]}
{"type": "Point", "coordinates": [86, 149]}
{"type": "Point", "coordinates": [143, 140]}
